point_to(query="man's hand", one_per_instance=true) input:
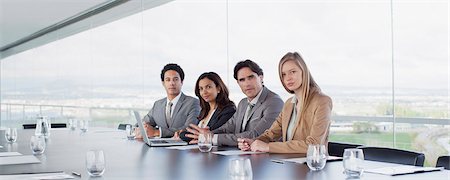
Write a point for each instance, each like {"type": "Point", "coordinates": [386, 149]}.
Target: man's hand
{"type": "Point", "coordinates": [244, 144]}
{"type": "Point", "coordinates": [151, 132]}
{"type": "Point", "coordinates": [195, 130]}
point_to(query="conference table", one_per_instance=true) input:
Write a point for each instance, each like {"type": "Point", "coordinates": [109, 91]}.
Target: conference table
{"type": "Point", "coordinates": [133, 159]}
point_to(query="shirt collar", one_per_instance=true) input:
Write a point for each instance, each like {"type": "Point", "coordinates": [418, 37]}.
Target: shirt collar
{"type": "Point", "coordinates": [174, 100]}
{"type": "Point", "coordinates": [255, 100]}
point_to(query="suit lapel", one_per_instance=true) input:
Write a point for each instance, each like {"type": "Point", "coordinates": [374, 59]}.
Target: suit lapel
{"type": "Point", "coordinates": [214, 116]}
{"type": "Point", "coordinates": [163, 112]}
{"type": "Point", "coordinates": [241, 110]}
{"type": "Point", "coordinates": [177, 108]}
{"type": "Point", "coordinates": [285, 120]}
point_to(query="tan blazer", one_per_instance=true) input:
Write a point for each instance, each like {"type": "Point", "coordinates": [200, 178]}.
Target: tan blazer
{"type": "Point", "coordinates": [312, 129]}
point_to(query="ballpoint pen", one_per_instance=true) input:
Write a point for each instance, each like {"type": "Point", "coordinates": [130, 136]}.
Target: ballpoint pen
{"type": "Point", "coordinates": [76, 174]}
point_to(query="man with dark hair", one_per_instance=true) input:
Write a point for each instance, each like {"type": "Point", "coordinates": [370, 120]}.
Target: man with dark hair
{"type": "Point", "coordinates": [254, 114]}
{"type": "Point", "coordinates": [174, 112]}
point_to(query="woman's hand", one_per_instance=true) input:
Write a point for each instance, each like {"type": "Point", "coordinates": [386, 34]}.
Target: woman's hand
{"type": "Point", "coordinates": [195, 130]}
{"type": "Point", "coordinates": [259, 146]}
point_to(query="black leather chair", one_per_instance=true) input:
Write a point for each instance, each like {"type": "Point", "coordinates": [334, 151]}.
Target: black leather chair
{"type": "Point", "coordinates": [122, 126]}
{"type": "Point", "coordinates": [393, 155]}
{"type": "Point", "coordinates": [337, 149]}
{"type": "Point", "coordinates": [53, 125]}
{"type": "Point", "coordinates": [443, 161]}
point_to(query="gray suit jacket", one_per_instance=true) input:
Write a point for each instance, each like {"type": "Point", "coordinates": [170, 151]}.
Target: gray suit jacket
{"type": "Point", "coordinates": [263, 114]}
{"type": "Point", "coordinates": [185, 113]}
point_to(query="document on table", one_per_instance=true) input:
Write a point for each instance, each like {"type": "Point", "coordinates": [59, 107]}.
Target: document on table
{"type": "Point", "coordinates": [188, 147]}
{"type": "Point", "coordinates": [302, 160]}
{"type": "Point", "coordinates": [236, 152]}
{"type": "Point", "coordinates": [44, 175]}
{"type": "Point", "coordinates": [3, 154]}
{"type": "Point", "coordinates": [402, 169]}
{"type": "Point", "coordinates": [27, 159]}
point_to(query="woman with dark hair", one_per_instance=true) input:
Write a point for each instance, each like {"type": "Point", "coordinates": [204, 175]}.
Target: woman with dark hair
{"type": "Point", "coordinates": [216, 107]}
{"type": "Point", "coordinates": [305, 118]}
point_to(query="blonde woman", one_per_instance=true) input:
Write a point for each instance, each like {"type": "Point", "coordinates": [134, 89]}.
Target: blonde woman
{"type": "Point", "coordinates": [305, 117]}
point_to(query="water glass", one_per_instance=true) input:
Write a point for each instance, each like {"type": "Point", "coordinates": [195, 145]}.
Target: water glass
{"type": "Point", "coordinates": [73, 124]}
{"type": "Point", "coordinates": [205, 142]}
{"type": "Point", "coordinates": [95, 163]}
{"type": "Point", "coordinates": [130, 130]}
{"type": "Point", "coordinates": [42, 127]}
{"type": "Point", "coordinates": [353, 162]}
{"type": "Point", "coordinates": [316, 157]}
{"type": "Point", "coordinates": [37, 144]}
{"type": "Point", "coordinates": [240, 169]}
{"type": "Point", "coordinates": [84, 124]}
{"type": "Point", "coordinates": [11, 135]}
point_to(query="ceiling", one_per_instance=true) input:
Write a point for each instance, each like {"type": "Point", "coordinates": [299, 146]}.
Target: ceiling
{"type": "Point", "coordinates": [20, 18]}
{"type": "Point", "coordinates": [29, 19]}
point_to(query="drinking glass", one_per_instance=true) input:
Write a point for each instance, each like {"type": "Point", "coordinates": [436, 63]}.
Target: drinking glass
{"type": "Point", "coordinates": [95, 163]}
{"type": "Point", "coordinates": [316, 157]}
{"type": "Point", "coordinates": [42, 127]}
{"type": "Point", "coordinates": [37, 144]}
{"type": "Point", "coordinates": [240, 169]}
{"type": "Point", "coordinates": [205, 142]}
{"type": "Point", "coordinates": [11, 135]}
{"type": "Point", "coordinates": [353, 162]}
{"type": "Point", "coordinates": [130, 130]}
{"type": "Point", "coordinates": [84, 124]}
{"type": "Point", "coordinates": [73, 124]}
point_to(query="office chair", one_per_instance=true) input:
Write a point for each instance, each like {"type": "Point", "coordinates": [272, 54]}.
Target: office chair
{"type": "Point", "coordinates": [337, 149]}
{"type": "Point", "coordinates": [443, 161]}
{"type": "Point", "coordinates": [53, 125]}
{"type": "Point", "coordinates": [122, 126]}
{"type": "Point", "coordinates": [393, 155]}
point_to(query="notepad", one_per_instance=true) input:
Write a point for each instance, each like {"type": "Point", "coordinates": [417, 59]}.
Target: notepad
{"type": "Point", "coordinates": [43, 175]}
{"type": "Point", "coordinates": [400, 170]}
{"type": "Point", "coordinates": [236, 152]}
{"type": "Point", "coordinates": [188, 147]}
{"type": "Point", "coordinates": [303, 160]}
{"type": "Point", "coordinates": [27, 159]}
{"type": "Point", "coordinates": [4, 154]}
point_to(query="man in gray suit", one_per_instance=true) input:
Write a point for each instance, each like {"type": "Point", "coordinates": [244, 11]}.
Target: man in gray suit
{"type": "Point", "coordinates": [254, 114]}
{"type": "Point", "coordinates": [176, 111]}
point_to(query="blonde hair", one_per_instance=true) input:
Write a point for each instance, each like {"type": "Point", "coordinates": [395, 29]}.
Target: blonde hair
{"type": "Point", "coordinates": [308, 84]}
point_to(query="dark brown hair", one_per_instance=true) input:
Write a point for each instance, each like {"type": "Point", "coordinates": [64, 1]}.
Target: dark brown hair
{"type": "Point", "coordinates": [222, 98]}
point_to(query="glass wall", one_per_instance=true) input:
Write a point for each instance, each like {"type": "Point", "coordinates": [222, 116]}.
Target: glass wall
{"type": "Point", "coordinates": [385, 64]}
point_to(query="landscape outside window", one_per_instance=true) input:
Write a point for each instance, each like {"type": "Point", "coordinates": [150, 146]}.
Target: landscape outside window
{"type": "Point", "coordinates": [373, 70]}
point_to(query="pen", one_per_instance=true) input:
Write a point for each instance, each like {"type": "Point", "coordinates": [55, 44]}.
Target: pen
{"type": "Point", "coordinates": [277, 161]}
{"type": "Point", "coordinates": [76, 174]}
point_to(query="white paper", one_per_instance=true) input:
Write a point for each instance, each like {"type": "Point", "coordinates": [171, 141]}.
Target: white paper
{"type": "Point", "coordinates": [4, 154]}
{"type": "Point", "coordinates": [236, 152]}
{"type": "Point", "coordinates": [188, 147]}
{"type": "Point", "coordinates": [302, 160]}
{"type": "Point", "coordinates": [58, 175]}
{"type": "Point", "coordinates": [27, 159]}
{"type": "Point", "coordinates": [398, 170]}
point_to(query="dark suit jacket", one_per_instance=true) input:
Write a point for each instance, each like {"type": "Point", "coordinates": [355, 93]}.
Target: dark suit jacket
{"type": "Point", "coordinates": [219, 118]}
{"type": "Point", "coordinates": [261, 117]}
{"type": "Point", "coordinates": [185, 113]}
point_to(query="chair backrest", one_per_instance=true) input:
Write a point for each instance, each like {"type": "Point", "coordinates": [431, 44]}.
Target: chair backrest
{"type": "Point", "coordinates": [337, 149]}
{"type": "Point", "coordinates": [122, 126]}
{"type": "Point", "coordinates": [443, 161]}
{"type": "Point", "coordinates": [393, 155]}
{"type": "Point", "coordinates": [53, 125]}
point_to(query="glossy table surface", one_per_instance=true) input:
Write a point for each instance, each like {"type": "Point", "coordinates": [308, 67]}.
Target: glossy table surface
{"type": "Point", "coordinates": [133, 159]}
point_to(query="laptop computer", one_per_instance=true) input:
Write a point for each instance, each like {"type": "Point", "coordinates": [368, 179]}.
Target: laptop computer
{"type": "Point", "coordinates": [156, 142]}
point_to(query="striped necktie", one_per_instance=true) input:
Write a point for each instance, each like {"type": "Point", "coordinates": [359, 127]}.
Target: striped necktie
{"type": "Point", "coordinates": [168, 114]}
